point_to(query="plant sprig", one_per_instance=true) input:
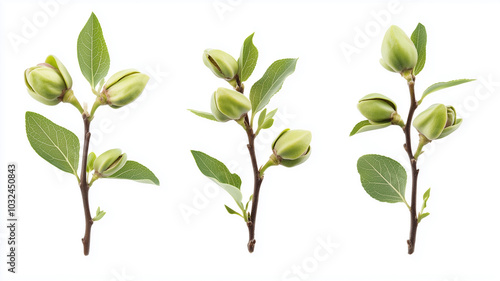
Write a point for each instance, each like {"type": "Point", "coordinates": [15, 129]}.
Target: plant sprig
{"type": "Point", "coordinates": [291, 147]}
{"type": "Point", "coordinates": [383, 178]}
{"type": "Point", "coordinates": [50, 83]}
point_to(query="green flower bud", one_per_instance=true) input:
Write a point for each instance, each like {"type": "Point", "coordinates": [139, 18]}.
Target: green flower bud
{"type": "Point", "coordinates": [222, 64]}
{"type": "Point", "coordinates": [377, 108]}
{"type": "Point", "coordinates": [110, 162]}
{"type": "Point", "coordinates": [398, 51]}
{"type": "Point", "coordinates": [123, 87]}
{"type": "Point", "coordinates": [229, 104]}
{"type": "Point", "coordinates": [48, 82]}
{"type": "Point", "coordinates": [437, 121]}
{"type": "Point", "coordinates": [292, 147]}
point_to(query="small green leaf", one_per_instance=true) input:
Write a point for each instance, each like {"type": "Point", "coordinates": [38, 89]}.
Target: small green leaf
{"type": "Point", "coordinates": [419, 38]}
{"type": "Point", "coordinates": [383, 178]}
{"type": "Point", "coordinates": [93, 55]}
{"type": "Point", "coordinates": [262, 117]}
{"type": "Point", "coordinates": [443, 85]}
{"type": "Point", "coordinates": [137, 172]}
{"type": "Point", "coordinates": [271, 114]}
{"type": "Point", "coordinates": [59, 146]}
{"type": "Point", "coordinates": [219, 173]}
{"type": "Point", "coordinates": [248, 59]}
{"type": "Point", "coordinates": [268, 124]}
{"type": "Point", "coordinates": [90, 161]}
{"type": "Point", "coordinates": [267, 120]}
{"type": "Point", "coordinates": [98, 214]}
{"type": "Point", "coordinates": [272, 81]}
{"type": "Point", "coordinates": [203, 114]}
{"type": "Point", "coordinates": [422, 216]}
{"type": "Point", "coordinates": [249, 200]}
{"type": "Point", "coordinates": [427, 194]}
{"type": "Point", "coordinates": [366, 125]}
{"type": "Point", "coordinates": [232, 212]}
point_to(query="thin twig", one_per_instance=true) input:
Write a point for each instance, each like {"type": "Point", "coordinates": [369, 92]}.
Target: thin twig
{"type": "Point", "coordinates": [257, 177]}
{"type": "Point", "coordinates": [414, 171]}
{"type": "Point", "coordinates": [84, 186]}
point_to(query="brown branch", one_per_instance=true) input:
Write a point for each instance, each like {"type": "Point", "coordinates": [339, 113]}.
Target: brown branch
{"type": "Point", "coordinates": [256, 173]}
{"type": "Point", "coordinates": [256, 188]}
{"type": "Point", "coordinates": [84, 186]}
{"type": "Point", "coordinates": [414, 171]}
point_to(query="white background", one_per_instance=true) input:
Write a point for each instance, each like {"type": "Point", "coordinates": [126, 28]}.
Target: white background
{"type": "Point", "coordinates": [147, 234]}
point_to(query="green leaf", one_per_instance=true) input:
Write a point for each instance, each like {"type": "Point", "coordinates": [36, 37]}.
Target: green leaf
{"type": "Point", "coordinates": [249, 200]}
{"type": "Point", "coordinates": [422, 216]}
{"type": "Point", "coordinates": [90, 161]}
{"type": "Point", "coordinates": [98, 214]}
{"type": "Point", "coordinates": [268, 124]}
{"type": "Point", "coordinates": [383, 178]}
{"type": "Point", "coordinates": [272, 81]}
{"type": "Point", "coordinates": [443, 85]}
{"type": "Point", "coordinates": [419, 38]}
{"type": "Point", "coordinates": [59, 146]}
{"type": "Point", "coordinates": [137, 172]}
{"type": "Point", "coordinates": [262, 117]}
{"type": "Point", "coordinates": [271, 114]}
{"type": "Point", "coordinates": [219, 173]}
{"type": "Point", "coordinates": [93, 55]}
{"type": "Point", "coordinates": [366, 125]}
{"type": "Point", "coordinates": [266, 119]}
{"type": "Point", "coordinates": [248, 59]}
{"type": "Point", "coordinates": [427, 194]}
{"type": "Point", "coordinates": [203, 114]}
{"type": "Point", "coordinates": [232, 212]}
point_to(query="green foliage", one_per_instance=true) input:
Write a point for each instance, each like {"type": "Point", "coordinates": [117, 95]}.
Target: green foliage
{"type": "Point", "coordinates": [231, 211]}
{"type": "Point", "coordinates": [59, 146]}
{"type": "Point", "coordinates": [93, 55]}
{"type": "Point", "coordinates": [443, 85]}
{"type": "Point", "coordinates": [366, 125]}
{"type": "Point", "coordinates": [98, 214]}
{"type": "Point", "coordinates": [137, 172]}
{"type": "Point", "coordinates": [383, 178]}
{"type": "Point", "coordinates": [248, 59]}
{"type": "Point", "coordinates": [219, 173]}
{"type": "Point", "coordinates": [203, 114]}
{"type": "Point", "coordinates": [419, 38]}
{"type": "Point", "coordinates": [266, 120]}
{"type": "Point", "coordinates": [270, 83]}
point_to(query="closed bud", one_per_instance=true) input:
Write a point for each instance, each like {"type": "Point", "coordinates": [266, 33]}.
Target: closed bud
{"type": "Point", "coordinates": [222, 64]}
{"type": "Point", "coordinates": [123, 88]}
{"type": "Point", "coordinates": [292, 147]}
{"type": "Point", "coordinates": [48, 82]}
{"type": "Point", "coordinates": [377, 108]}
{"type": "Point", "coordinates": [110, 162]}
{"type": "Point", "coordinates": [229, 104]}
{"type": "Point", "coordinates": [438, 121]}
{"type": "Point", "coordinates": [398, 51]}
